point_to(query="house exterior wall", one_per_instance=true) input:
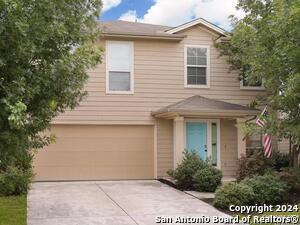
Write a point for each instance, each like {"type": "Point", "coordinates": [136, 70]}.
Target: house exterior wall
{"type": "Point", "coordinates": [229, 151]}
{"type": "Point", "coordinates": [165, 155]}
{"type": "Point", "coordinates": [284, 145]}
{"type": "Point", "coordinates": [158, 82]}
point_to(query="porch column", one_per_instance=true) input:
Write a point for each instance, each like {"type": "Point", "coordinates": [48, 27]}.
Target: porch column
{"type": "Point", "coordinates": [178, 139]}
{"type": "Point", "coordinates": [241, 138]}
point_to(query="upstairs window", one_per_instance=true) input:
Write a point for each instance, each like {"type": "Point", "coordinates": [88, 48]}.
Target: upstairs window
{"type": "Point", "coordinates": [119, 67]}
{"type": "Point", "coordinates": [196, 66]}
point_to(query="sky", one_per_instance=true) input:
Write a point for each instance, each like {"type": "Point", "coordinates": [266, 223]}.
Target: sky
{"type": "Point", "coordinates": [170, 12]}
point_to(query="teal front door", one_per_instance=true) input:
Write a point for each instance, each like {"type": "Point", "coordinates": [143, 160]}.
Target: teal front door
{"type": "Point", "coordinates": [196, 138]}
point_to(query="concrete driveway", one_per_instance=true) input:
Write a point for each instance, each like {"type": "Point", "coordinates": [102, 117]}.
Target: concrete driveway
{"type": "Point", "coordinates": [111, 203]}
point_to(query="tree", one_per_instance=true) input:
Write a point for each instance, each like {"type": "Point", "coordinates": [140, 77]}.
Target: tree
{"type": "Point", "coordinates": [265, 45]}
{"type": "Point", "coordinates": [45, 49]}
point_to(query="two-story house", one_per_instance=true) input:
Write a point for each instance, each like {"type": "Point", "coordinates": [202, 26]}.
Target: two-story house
{"type": "Point", "coordinates": [159, 90]}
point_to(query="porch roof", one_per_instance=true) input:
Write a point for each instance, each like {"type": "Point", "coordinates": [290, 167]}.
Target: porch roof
{"type": "Point", "coordinates": [201, 106]}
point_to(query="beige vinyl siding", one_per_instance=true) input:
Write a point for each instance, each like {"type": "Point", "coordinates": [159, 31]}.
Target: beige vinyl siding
{"type": "Point", "coordinates": [158, 82]}
{"type": "Point", "coordinates": [284, 145]}
{"type": "Point", "coordinates": [229, 152]}
{"type": "Point", "coordinates": [92, 152]}
{"type": "Point", "coordinates": [164, 146]}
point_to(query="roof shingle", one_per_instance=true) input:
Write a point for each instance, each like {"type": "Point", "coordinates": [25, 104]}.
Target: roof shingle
{"type": "Point", "coordinates": [199, 104]}
{"type": "Point", "coordinates": [119, 26]}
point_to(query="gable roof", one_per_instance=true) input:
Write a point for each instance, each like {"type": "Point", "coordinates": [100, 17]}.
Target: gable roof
{"type": "Point", "coordinates": [135, 29]}
{"type": "Point", "coordinates": [196, 22]}
{"type": "Point", "coordinates": [124, 28]}
{"type": "Point", "coordinates": [132, 27]}
{"type": "Point", "coordinates": [198, 105]}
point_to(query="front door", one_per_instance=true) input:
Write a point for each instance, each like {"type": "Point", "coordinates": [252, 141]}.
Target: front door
{"type": "Point", "coordinates": [196, 138]}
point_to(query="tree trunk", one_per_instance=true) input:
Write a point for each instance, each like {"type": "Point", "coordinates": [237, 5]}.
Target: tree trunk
{"type": "Point", "coordinates": [291, 157]}
{"type": "Point", "coordinates": [295, 155]}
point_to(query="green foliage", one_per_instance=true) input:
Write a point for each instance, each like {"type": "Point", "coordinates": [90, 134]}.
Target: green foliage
{"type": "Point", "coordinates": [264, 45]}
{"type": "Point", "coordinates": [17, 114]}
{"type": "Point", "coordinates": [207, 179]}
{"type": "Point", "coordinates": [46, 48]}
{"type": "Point", "coordinates": [14, 181]}
{"type": "Point", "coordinates": [281, 160]}
{"type": "Point", "coordinates": [291, 176]}
{"type": "Point", "coordinates": [268, 189]}
{"type": "Point", "coordinates": [233, 194]}
{"type": "Point", "coordinates": [255, 164]}
{"type": "Point", "coordinates": [194, 173]}
{"type": "Point", "coordinates": [18, 158]}
{"type": "Point", "coordinates": [185, 171]}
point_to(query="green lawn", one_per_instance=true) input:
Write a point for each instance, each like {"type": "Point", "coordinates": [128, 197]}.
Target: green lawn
{"type": "Point", "coordinates": [13, 210]}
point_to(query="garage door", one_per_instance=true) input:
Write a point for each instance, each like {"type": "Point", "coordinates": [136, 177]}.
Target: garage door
{"type": "Point", "coordinates": [97, 153]}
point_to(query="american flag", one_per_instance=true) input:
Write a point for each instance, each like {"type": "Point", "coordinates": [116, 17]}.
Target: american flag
{"type": "Point", "coordinates": [267, 139]}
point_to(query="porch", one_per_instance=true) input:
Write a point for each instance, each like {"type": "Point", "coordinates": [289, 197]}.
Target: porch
{"type": "Point", "coordinates": [207, 126]}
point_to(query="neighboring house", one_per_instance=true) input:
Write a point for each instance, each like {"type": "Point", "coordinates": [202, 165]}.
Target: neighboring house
{"type": "Point", "coordinates": [159, 90]}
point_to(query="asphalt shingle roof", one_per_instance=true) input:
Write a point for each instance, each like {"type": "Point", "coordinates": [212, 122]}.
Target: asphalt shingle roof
{"type": "Point", "coordinates": [198, 103]}
{"type": "Point", "coordinates": [135, 28]}
{"type": "Point", "coordinates": [132, 27]}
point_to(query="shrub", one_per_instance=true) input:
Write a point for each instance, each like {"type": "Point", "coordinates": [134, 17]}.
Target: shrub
{"type": "Point", "coordinates": [207, 179]}
{"type": "Point", "coordinates": [185, 171]}
{"type": "Point", "coordinates": [281, 160]}
{"type": "Point", "coordinates": [233, 194]}
{"type": "Point", "coordinates": [253, 165]}
{"type": "Point", "coordinates": [15, 157]}
{"type": "Point", "coordinates": [268, 189]}
{"type": "Point", "coordinates": [291, 176]}
{"type": "Point", "coordinates": [14, 181]}
{"type": "Point", "coordinates": [257, 164]}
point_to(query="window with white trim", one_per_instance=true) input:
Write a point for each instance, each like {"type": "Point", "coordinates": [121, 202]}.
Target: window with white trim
{"type": "Point", "coordinates": [197, 66]}
{"type": "Point", "coordinates": [119, 66]}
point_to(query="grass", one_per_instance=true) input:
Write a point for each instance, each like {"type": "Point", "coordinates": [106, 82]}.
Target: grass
{"type": "Point", "coordinates": [13, 210]}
